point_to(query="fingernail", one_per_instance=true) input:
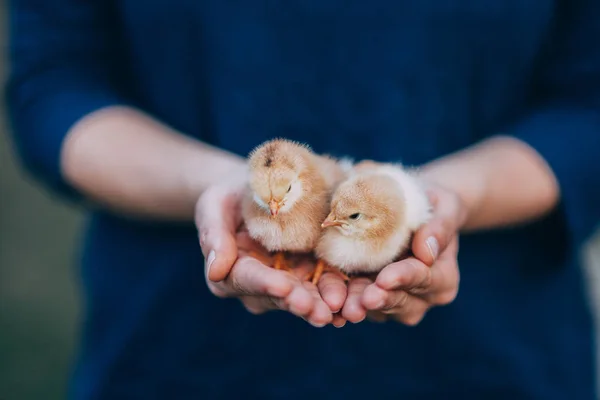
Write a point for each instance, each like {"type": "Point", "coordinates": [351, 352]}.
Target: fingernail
{"type": "Point", "coordinates": [380, 303]}
{"type": "Point", "coordinates": [433, 246]}
{"type": "Point", "coordinates": [209, 261]}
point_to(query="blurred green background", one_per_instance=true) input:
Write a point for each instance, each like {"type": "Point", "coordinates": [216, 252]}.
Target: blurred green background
{"type": "Point", "coordinates": [39, 303]}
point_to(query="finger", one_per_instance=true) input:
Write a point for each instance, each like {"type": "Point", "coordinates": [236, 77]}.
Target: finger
{"type": "Point", "coordinates": [256, 305]}
{"type": "Point", "coordinates": [338, 321]}
{"type": "Point", "coordinates": [353, 309]}
{"type": "Point", "coordinates": [406, 274]}
{"type": "Point", "coordinates": [303, 302]}
{"type": "Point", "coordinates": [445, 278]}
{"type": "Point", "coordinates": [249, 277]}
{"type": "Point", "coordinates": [400, 302]}
{"type": "Point", "coordinates": [260, 304]}
{"type": "Point", "coordinates": [333, 290]}
{"type": "Point", "coordinates": [410, 317]}
{"type": "Point", "coordinates": [405, 308]}
{"type": "Point", "coordinates": [432, 238]}
{"type": "Point", "coordinates": [321, 315]}
{"type": "Point", "coordinates": [300, 302]}
{"type": "Point", "coordinates": [375, 298]}
{"type": "Point", "coordinates": [217, 218]}
{"type": "Point", "coordinates": [437, 284]}
{"type": "Point", "coordinates": [377, 316]}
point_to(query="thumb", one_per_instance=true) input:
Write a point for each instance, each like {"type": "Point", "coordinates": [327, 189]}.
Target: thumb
{"type": "Point", "coordinates": [217, 218]}
{"type": "Point", "coordinates": [433, 237]}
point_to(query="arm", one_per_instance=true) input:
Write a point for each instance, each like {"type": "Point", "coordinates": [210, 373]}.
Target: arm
{"type": "Point", "coordinates": [501, 181]}
{"type": "Point", "coordinates": [72, 124]}
{"type": "Point", "coordinates": [548, 162]}
{"type": "Point", "coordinates": [551, 157]}
{"type": "Point", "coordinates": [73, 128]}
{"type": "Point", "coordinates": [162, 177]}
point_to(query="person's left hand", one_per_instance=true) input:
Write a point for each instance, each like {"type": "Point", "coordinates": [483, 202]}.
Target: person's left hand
{"type": "Point", "coordinates": [407, 289]}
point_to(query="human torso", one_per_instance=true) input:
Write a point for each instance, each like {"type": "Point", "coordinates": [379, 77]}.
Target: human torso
{"type": "Point", "coordinates": [386, 80]}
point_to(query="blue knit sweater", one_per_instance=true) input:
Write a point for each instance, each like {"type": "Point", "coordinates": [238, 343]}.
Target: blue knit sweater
{"type": "Point", "coordinates": [387, 80]}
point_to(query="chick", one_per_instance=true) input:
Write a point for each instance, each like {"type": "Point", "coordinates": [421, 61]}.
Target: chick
{"type": "Point", "coordinates": [374, 214]}
{"type": "Point", "coordinates": [289, 194]}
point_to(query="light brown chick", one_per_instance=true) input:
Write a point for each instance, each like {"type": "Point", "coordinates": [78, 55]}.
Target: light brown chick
{"type": "Point", "coordinates": [373, 216]}
{"type": "Point", "coordinates": [289, 195]}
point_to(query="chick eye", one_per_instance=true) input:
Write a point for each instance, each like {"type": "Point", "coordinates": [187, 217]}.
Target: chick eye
{"type": "Point", "coordinates": [355, 216]}
{"type": "Point", "coordinates": [290, 188]}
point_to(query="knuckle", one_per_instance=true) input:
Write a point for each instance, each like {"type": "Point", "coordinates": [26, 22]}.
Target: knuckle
{"type": "Point", "coordinates": [400, 300]}
{"type": "Point", "coordinates": [427, 278]}
{"type": "Point", "coordinates": [327, 285]}
{"type": "Point", "coordinates": [393, 273]}
{"type": "Point", "coordinates": [413, 266]}
{"type": "Point", "coordinates": [403, 276]}
{"type": "Point", "coordinates": [358, 286]}
{"type": "Point", "coordinates": [236, 285]}
{"type": "Point", "coordinates": [237, 278]}
{"type": "Point", "coordinates": [261, 281]}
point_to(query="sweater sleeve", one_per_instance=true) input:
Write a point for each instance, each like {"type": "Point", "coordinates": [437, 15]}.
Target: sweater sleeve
{"type": "Point", "coordinates": [62, 67]}
{"type": "Point", "coordinates": [564, 126]}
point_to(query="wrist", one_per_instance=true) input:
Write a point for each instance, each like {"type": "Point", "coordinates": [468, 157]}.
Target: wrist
{"type": "Point", "coordinates": [458, 174]}
{"type": "Point", "coordinates": [500, 180]}
{"type": "Point", "coordinates": [209, 166]}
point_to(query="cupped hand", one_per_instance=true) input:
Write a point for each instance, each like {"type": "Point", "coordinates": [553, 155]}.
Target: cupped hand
{"type": "Point", "coordinates": [407, 289]}
{"type": "Point", "coordinates": [230, 269]}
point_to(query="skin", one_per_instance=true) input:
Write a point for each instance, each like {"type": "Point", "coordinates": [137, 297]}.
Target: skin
{"type": "Point", "coordinates": [163, 179]}
{"type": "Point", "coordinates": [405, 290]}
{"type": "Point", "coordinates": [498, 182]}
{"type": "Point", "coordinates": [158, 180]}
{"type": "Point", "coordinates": [468, 190]}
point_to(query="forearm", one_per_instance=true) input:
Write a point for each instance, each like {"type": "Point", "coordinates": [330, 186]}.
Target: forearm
{"type": "Point", "coordinates": [502, 181]}
{"type": "Point", "coordinates": [131, 163]}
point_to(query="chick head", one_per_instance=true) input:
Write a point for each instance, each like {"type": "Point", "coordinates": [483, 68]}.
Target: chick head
{"type": "Point", "coordinates": [278, 176]}
{"type": "Point", "coordinates": [369, 205]}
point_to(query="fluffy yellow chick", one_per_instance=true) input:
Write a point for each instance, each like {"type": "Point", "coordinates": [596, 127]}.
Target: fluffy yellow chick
{"type": "Point", "coordinates": [374, 214]}
{"type": "Point", "coordinates": [289, 195]}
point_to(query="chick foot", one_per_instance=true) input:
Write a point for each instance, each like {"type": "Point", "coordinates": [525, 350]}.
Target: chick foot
{"type": "Point", "coordinates": [323, 267]}
{"type": "Point", "coordinates": [281, 262]}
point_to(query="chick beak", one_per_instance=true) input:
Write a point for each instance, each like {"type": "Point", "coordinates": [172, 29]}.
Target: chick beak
{"type": "Point", "coordinates": [330, 221]}
{"type": "Point", "coordinates": [274, 207]}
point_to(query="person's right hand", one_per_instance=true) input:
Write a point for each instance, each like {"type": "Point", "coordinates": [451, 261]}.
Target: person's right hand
{"type": "Point", "coordinates": [231, 272]}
